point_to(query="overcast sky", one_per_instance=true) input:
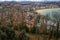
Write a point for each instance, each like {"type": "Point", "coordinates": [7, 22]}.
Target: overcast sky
{"type": "Point", "coordinates": [29, 0]}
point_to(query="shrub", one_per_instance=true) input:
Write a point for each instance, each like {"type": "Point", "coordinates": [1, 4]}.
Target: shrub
{"type": "Point", "coordinates": [35, 30]}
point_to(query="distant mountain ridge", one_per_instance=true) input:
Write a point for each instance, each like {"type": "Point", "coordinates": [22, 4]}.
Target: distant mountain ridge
{"type": "Point", "coordinates": [29, 2]}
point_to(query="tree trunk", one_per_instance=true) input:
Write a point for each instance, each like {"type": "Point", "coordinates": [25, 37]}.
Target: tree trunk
{"type": "Point", "coordinates": [57, 30]}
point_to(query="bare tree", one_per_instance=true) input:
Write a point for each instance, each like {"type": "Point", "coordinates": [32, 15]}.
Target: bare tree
{"type": "Point", "coordinates": [57, 18]}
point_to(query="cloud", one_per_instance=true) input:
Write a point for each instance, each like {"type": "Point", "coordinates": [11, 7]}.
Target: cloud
{"type": "Point", "coordinates": [29, 0]}
{"type": "Point", "coordinates": [36, 0]}
{"type": "Point", "coordinates": [8, 0]}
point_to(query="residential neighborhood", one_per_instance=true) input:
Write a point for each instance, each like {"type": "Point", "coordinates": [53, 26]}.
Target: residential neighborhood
{"type": "Point", "coordinates": [29, 20]}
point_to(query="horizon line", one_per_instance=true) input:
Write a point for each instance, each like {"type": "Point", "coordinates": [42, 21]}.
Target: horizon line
{"type": "Point", "coordinates": [30, 1]}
